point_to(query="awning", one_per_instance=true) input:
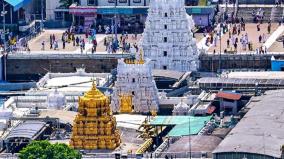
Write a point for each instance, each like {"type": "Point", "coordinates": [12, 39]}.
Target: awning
{"type": "Point", "coordinates": [17, 4]}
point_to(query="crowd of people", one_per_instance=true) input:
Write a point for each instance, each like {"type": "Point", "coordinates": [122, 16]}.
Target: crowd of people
{"type": "Point", "coordinates": [113, 44]}
{"type": "Point", "coordinates": [122, 42]}
{"type": "Point", "coordinates": [238, 37]}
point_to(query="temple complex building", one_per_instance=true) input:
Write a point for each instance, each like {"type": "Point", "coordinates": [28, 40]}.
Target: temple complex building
{"type": "Point", "coordinates": [94, 126]}
{"type": "Point", "coordinates": [167, 39]}
{"type": "Point", "coordinates": [135, 89]}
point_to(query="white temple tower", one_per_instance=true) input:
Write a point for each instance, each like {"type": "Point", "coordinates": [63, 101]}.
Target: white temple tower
{"type": "Point", "coordinates": [167, 39]}
{"type": "Point", "coordinates": [135, 89]}
{"type": "Point", "coordinates": [181, 108]}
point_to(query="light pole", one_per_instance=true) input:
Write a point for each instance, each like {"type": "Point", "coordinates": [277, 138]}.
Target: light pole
{"type": "Point", "coordinates": [189, 137]}
{"type": "Point", "coordinates": [3, 13]}
{"type": "Point", "coordinates": [220, 36]}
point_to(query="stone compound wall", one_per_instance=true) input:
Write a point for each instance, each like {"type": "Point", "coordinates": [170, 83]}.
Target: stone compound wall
{"type": "Point", "coordinates": [211, 63]}
{"type": "Point", "coordinates": [26, 68]}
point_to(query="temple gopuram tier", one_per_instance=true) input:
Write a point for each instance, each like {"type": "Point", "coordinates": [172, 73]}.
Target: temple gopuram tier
{"type": "Point", "coordinates": [94, 126]}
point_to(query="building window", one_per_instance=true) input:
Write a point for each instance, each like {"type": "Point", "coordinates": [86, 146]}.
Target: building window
{"type": "Point", "coordinates": [133, 80]}
{"type": "Point", "coordinates": [136, 1]}
{"type": "Point", "coordinates": [91, 2]}
{"type": "Point", "coordinates": [164, 67]}
{"type": "Point", "coordinates": [133, 93]}
{"type": "Point", "coordinates": [166, 27]}
{"type": "Point", "coordinates": [166, 14]}
{"type": "Point", "coordinates": [58, 15]}
{"type": "Point", "coordinates": [111, 1]}
{"type": "Point", "coordinates": [165, 39]}
{"type": "Point", "coordinates": [165, 53]}
{"type": "Point", "coordinates": [122, 1]}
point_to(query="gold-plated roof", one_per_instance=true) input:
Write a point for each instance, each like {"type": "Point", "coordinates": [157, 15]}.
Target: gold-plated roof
{"type": "Point", "coordinates": [94, 93]}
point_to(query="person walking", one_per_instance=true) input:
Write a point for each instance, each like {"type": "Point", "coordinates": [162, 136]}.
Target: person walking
{"type": "Point", "coordinates": [260, 39]}
{"type": "Point", "coordinates": [269, 28]}
{"type": "Point", "coordinates": [95, 45]}
{"type": "Point", "coordinates": [63, 44]}
{"type": "Point", "coordinates": [43, 45]}
{"type": "Point", "coordinates": [77, 41]}
{"type": "Point", "coordinates": [228, 43]}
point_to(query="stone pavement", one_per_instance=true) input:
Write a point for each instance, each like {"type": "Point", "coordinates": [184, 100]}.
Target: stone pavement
{"type": "Point", "coordinates": [253, 35]}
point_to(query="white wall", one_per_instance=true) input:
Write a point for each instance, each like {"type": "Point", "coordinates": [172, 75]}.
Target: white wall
{"type": "Point", "coordinates": [50, 7]}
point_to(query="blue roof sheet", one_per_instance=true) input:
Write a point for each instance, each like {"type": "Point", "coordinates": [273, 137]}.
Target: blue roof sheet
{"type": "Point", "coordinates": [17, 4]}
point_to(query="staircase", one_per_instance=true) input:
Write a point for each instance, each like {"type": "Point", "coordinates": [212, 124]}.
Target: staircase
{"type": "Point", "coordinates": [246, 13]}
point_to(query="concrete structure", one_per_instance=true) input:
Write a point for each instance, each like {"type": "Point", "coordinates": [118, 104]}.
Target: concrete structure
{"type": "Point", "coordinates": [229, 102]}
{"type": "Point", "coordinates": [259, 134]}
{"type": "Point", "coordinates": [203, 106]}
{"type": "Point", "coordinates": [20, 14]}
{"type": "Point", "coordinates": [167, 39]}
{"type": "Point", "coordinates": [135, 88]}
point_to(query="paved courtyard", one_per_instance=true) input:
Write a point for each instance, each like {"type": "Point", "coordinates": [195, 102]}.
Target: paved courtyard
{"type": "Point", "coordinates": [253, 36]}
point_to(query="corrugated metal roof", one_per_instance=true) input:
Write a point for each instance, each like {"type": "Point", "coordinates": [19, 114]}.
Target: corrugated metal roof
{"type": "Point", "coordinates": [261, 129]}
{"type": "Point", "coordinates": [27, 129]}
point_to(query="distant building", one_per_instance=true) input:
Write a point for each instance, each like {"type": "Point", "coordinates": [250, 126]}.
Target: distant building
{"type": "Point", "coordinates": [259, 134]}
{"type": "Point", "coordinates": [130, 13]}
{"type": "Point", "coordinates": [229, 102]}
{"type": "Point", "coordinates": [20, 14]}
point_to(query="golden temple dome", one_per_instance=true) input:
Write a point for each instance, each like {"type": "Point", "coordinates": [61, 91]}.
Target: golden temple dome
{"type": "Point", "coordinates": [94, 93]}
{"type": "Point", "coordinates": [94, 126]}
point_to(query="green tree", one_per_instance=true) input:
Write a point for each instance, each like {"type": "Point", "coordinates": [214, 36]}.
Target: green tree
{"type": "Point", "coordinates": [65, 3]}
{"type": "Point", "coordinates": [45, 150]}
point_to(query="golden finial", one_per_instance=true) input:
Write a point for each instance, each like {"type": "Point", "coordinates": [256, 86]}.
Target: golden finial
{"type": "Point", "coordinates": [94, 84]}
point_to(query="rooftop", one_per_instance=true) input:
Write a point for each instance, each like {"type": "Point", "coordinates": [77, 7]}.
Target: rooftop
{"type": "Point", "coordinates": [261, 130]}
{"type": "Point", "coordinates": [257, 75]}
{"type": "Point", "coordinates": [183, 125]}
{"type": "Point", "coordinates": [168, 74]}
{"type": "Point", "coordinates": [28, 129]}
{"type": "Point", "coordinates": [229, 95]}
{"type": "Point", "coordinates": [198, 144]}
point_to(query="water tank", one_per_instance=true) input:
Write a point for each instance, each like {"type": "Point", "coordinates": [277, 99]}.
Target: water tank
{"type": "Point", "coordinates": [56, 100]}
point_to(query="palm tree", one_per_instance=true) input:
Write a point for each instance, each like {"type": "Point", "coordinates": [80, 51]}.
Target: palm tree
{"type": "Point", "coordinates": [65, 3]}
